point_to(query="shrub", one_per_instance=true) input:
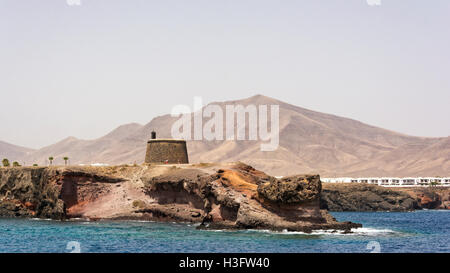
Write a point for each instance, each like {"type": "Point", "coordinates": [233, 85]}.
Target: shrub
{"type": "Point", "coordinates": [5, 162]}
{"type": "Point", "coordinates": [16, 164]}
{"type": "Point", "coordinates": [138, 204]}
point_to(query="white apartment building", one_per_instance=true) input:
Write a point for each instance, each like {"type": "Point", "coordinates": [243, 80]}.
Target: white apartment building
{"type": "Point", "coordinates": [393, 181]}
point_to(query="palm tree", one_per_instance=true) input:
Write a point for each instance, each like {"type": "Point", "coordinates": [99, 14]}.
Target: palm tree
{"type": "Point", "coordinates": [51, 160]}
{"type": "Point", "coordinates": [65, 160]}
{"type": "Point", "coordinates": [5, 162]}
{"type": "Point", "coordinates": [16, 164]}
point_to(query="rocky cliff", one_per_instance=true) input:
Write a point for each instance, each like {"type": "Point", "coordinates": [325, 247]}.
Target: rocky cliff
{"type": "Point", "coordinates": [215, 196]}
{"type": "Point", "coordinates": [363, 197]}
{"type": "Point", "coordinates": [30, 192]}
{"type": "Point", "coordinates": [429, 197]}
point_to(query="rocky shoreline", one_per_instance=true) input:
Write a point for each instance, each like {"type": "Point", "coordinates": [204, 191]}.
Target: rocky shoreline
{"type": "Point", "coordinates": [364, 197]}
{"type": "Point", "coordinates": [217, 196]}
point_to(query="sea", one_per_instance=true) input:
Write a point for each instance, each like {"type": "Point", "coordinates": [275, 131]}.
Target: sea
{"type": "Point", "coordinates": [418, 231]}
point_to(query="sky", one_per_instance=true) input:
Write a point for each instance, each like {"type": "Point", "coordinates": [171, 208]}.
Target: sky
{"type": "Point", "coordinates": [82, 70]}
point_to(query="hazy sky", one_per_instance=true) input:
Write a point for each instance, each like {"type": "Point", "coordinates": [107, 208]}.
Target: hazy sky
{"type": "Point", "coordinates": [84, 70]}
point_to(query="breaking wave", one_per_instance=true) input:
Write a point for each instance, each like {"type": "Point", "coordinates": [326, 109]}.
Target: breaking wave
{"type": "Point", "coordinates": [366, 231]}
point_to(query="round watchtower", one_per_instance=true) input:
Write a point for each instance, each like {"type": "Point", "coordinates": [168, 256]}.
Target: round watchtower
{"type": "Point", "coordinates": [166, 151]}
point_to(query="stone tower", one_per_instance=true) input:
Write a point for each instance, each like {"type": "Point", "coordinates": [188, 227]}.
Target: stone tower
{"type": "Point", "coordinates": [166, 151]}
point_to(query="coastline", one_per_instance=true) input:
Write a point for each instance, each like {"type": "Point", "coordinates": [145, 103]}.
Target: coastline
{"type": "Point", "coordinates": [214, 195]}
{"type": "Point", "coordinates": [364, 197]}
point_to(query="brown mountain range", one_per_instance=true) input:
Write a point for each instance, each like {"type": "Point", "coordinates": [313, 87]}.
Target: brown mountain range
{"type": "Point", "coordinates": [13, 152]}
{"type": "Point", "coordinates": [310, 142]}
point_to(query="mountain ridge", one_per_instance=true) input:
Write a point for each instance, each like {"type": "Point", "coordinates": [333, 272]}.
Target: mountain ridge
{"type": "Point", "coordinates": [310, 141]}
{"type": "Point", "coordinates": [13, 152]}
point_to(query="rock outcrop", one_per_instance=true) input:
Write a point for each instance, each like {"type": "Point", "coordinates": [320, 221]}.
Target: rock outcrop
{"type": "Point", "coordinates": [430, 197]}
{"type": "Point", "coordinates": [30, 192]}
{"type": "Point", "coordinates": [291, 190]}
{"type": "Point", "coordinates": [216, 196]}
{"type": "Point", "coordinates": [363, 197]}
{"type": "Point", "coordinates": [238, 197]}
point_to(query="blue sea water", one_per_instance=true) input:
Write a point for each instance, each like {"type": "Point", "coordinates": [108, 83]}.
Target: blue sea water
{"type": "Point", "coordinates": [419, 231]}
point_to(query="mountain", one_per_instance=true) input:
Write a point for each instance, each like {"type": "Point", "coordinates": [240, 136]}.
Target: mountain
{"type": "Point", "coordinates": [115, 147]}
{"type": "Point", "coordinates": [310, 142]}
{"type": "Point", "coordinates": [14, 152]}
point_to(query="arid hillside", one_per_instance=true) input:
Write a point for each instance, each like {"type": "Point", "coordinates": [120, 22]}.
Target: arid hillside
{"type": "Point", "coordinates": [310, 142]}
{"type": "Point", "coordinates": [13, 152]}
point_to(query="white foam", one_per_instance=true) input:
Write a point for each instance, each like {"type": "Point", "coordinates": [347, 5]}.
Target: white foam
{"type": "Point", "coordinates": [354, 231]}
{"type": "Point", "coordinates": [77, 219]}
{"type": "Point", "coordinates": [140, 221]}
{"type": "Point", "coordinates": [369, 231]}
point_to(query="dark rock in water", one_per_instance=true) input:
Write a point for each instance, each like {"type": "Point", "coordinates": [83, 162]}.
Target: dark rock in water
{"type": "Point", "coordinates": [430, 197]}
{"type": "Point", "coordinates": [29, 192]}
{"type": "Point", "coordinates": [364, 197]}
{"type": "Point", "coordinates": [14, 208]}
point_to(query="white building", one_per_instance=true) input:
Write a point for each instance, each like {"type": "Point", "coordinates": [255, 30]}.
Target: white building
{"type": "Point", "coordinates": [393, 181]}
